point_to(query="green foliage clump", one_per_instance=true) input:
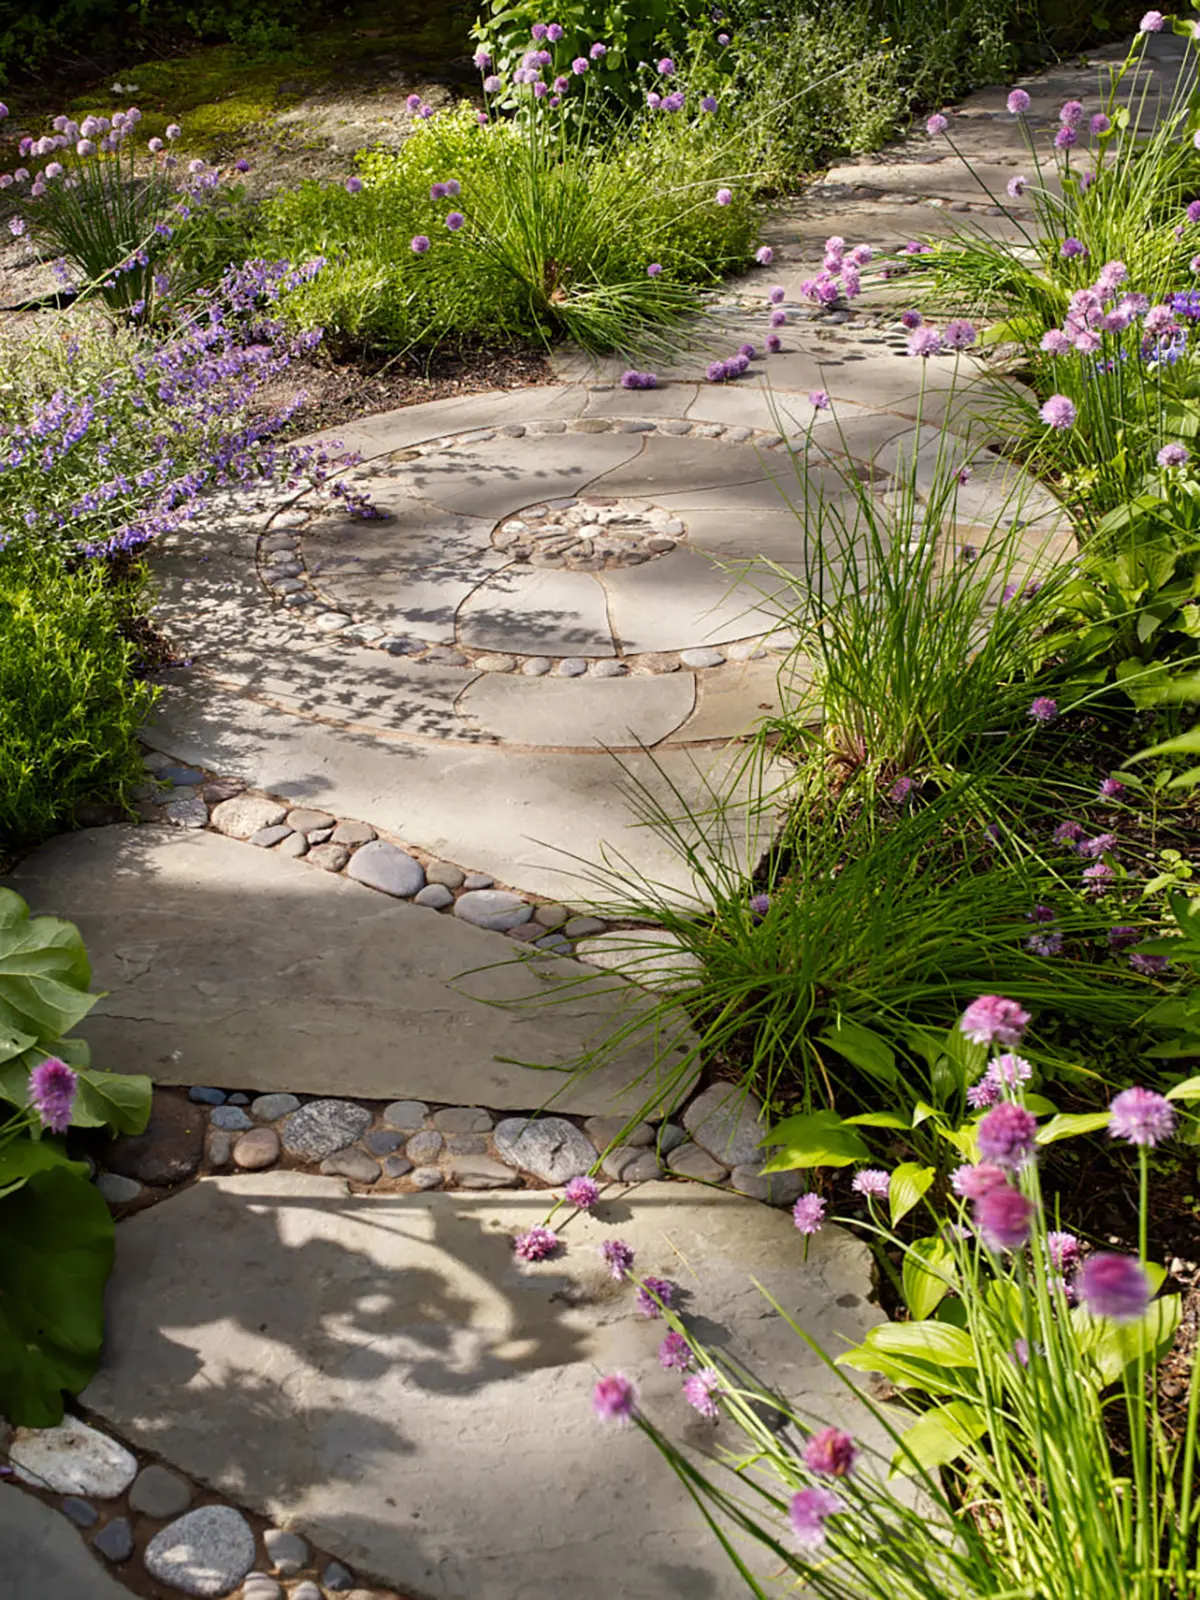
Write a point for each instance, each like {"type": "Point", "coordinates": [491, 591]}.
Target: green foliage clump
{"type": "Point", "coordinates": [70, 704]}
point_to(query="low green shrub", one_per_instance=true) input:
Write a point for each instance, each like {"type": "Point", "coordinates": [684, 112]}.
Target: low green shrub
{"type": "Point", "coordinates": [71, 705]}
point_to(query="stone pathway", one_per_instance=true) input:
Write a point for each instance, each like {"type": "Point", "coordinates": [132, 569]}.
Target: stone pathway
{"type": "Point", "coordinates": [371, 799]}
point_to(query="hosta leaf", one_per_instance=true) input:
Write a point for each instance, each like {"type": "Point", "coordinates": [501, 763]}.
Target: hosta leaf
{"type": "Point", "coordinates": [927, 1276]}
{"type": "Point", "coordinates": [817, 1139]}
{"type": "Point", "coordinates": [909, 1182]}
{"type": "Point", "coordinates": [939, 1437]}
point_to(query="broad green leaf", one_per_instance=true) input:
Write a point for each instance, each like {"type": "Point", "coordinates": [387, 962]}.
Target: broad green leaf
{"type": "Point", "coordinates": [1113, 1346]}
{"type": "Point", "coordinates": [22, 1157]}
{"type": "Point", "coordinates": [939, 1437]}
{"type": "Point", "coordinates": [934, 1342]}
{"type": "Point", "coordinates": [13, 1044]}
{"type": "Point", "coordinates": [1069, 1125]}
{"type": "Point", "coordinates": [862, 1049]}
{"type": "Point", "coordinates": [927, 1276]}
{"type": "Point", "coordinates": [816, 1139]}
{"type": "Point", "coordinates": [878, 1119]}
{"type": "Point", "coordinates": [1039, 1105]}
{"type": "Point", "coordinates": [44, 972]}
{"type": "Point", "coordinates": [56, 1251]}
{"type": "Point", "coordinates": [118, 1100]}
{"type": "Point", "coordinates": [1189, 1089]}
{"type": "Point", "coordinates": [909, 1182]}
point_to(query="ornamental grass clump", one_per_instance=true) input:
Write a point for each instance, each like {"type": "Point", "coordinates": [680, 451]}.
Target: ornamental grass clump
{"type": "Point", "coordinates": [113, 214]}
{"type": "Point", "coordinates": [1026, 1406]}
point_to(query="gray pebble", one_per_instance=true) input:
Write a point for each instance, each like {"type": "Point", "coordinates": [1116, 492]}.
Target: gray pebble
{"type": "Point", "coordinates": [628, 1165]}
{"type": "Point", "coordinates": [552, 1148]}
{"type": "Point", "coordinates": [118, 1191]}
{"type": "Point", "coordinates": [671, 1137]}
{"type": "Point", "coordinates": [776, 1188]}
{"type": "Point", "coordinates": [189, 812]}
{"type": "Point", "coordinates": [158, 1492]}
{"type": "Point", "coordinates": [220, 1148]}
{"type": "Point", "coordinates": [323, 1127]}
{"type": "Point", "coordinates": [572, 667]}
{"type": "Point", "coordinates": [382, 866]}
{"type": "Point", "coordinates": [259, 1587]}
{"type": "Point", "coordinates": [582, 927]}
{"type": "Point", "coordinates": [288, 1551]}
{"type": "Point", "coordinates": [78, 1511]}
{"type": "Point", "coordinates": [305, 820]}
{"type": "Point", "coordinates": [551, 916]}
{"type": "Point", "coordinates": [206, 1097]}
{"type": "Point", "coordinates": [239, 1099]}
{"type": "Point", "coordinates": [536, 667]}
{"type": "Point", "coordinates": [294, 846]}
{"type": "Point", "coordinates": [307, 1590]}
{"type": "Point", "coordinates": [231, 1119]}
{"type": "Point", "coordinates": [405, 1113]}
{"type": "Point", "coordinates": [462, 1119]}
{"type": "Point", "coordinates": [353, 833]}
{"type": "Point", "coordinates": [396, 1167]}
{"type": "Point", "coordinates": [329, 857]}
{"type": "Point", "coordinates": [270, 1107]}
{"type": "Point", "coordinates": [690, 1161]}
{"type": "Point", "coordinates": [319, 835]}
{"type": "Point", "coordinates": [337, 1577]}
{"type": "Point", "coordinates": [554, 944]}
{"type": "Point", "coordinates": [424, 1147]}
{"type": "Point", "coordinates": [466, 1144]}
{"type": "Point", "coordinates": [495, 909]}
{"type": "Point", "coordinates": [353, 1164]}
{"type": "Point", "coordinates": [115, 1542]}
{"type": "Point", "coordinates": [206, 1552]}
{"type": "Point", "coordinates": [266, 837]}
{"type": "Point", "coordinates": [445, 872]}
{"type": "Point", "coordinates": [477, 880]}
{"type": "Point", "coordinates": [481, 1172]}
{"type": "Point", "coordinates": [609, 669]}
{"type": "Point", "coordinates": [427, 1178]}
{"type": "Point", "coordinates": [703, 657]}
{"type": "Point", "coordinates": [382, 1141]}
{"type": "Point", "coordinates": [603, 1131]}
{"type": "Point", "coordinates": [435, 895]}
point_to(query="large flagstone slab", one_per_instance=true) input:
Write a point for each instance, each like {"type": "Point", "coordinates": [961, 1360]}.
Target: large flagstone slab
{"type": "Point", "coordinates": [382, 1373]}
{"type": "Point", "coordinates": [229, 965]}
{"type": "Point", "coordinates": [42, 1557]}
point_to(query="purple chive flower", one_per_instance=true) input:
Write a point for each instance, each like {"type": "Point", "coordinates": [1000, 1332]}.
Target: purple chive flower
{"type": "Point", "coordinates": [598, 51]}
{"type": "Point", "coordinates": [1071, 114]}
{"type": "Point", "coordinates": [925, 342]}
{"type": "Point", "coordinates": [830, 1453]}
{"type": "Point", "coordinates": [580, 65]}
{"type": "Point", "coordinates": [1071, 247]}
{"type": "Point", "coordinates": [760, 904]}
{"type": "Point", "coordinates": [724, 197]}
{"type": "Point", "coordinates": [1006, 1135]}
{"type": "Point", "coordinates": [871, 1182]}
{"type": "Point", "coordinates": [666, 67]}
{"type": "Point", "coordinates": [16, 226]}
{"type": "Point", "coordinates": [982, 1095]}
{"type": "Point", "coordinates": [1101, 845]}
{"type": "Point", "coordinates": [653, 1296]}
{"type": "Point", "coordinates": [654, 101]}
{"type": "Point", "coordinates": [708, 104]}
{"type": "Point", "coordinates": [764, 255]}
{"type": "Point", "coordinates": [973, 1182]}
{"type": "Point", "coordinates": [492, 85]}
{"type": "Point", "coordinates": [437, 191]}
{"type": "Point", "coordinates": [1009, 1071]}
{"type": "Point", "coordinates": [554, 32]}
{"type": "Point", "coordinates": [809, 1213]}
{"type": "Point", "coordinates": [674, 1352]}
{"type": "Point", "coordinates": [1068, 833]}
{"type": "Point", "coordinates": [1004, 1216]}
{"type": "Point", "coordinates": [1141, 1117]}
{"type": "Point", "coordinates": [748, 350]}
{"type": "Point", "coordinates": [1152, 22]}
{"type": "Point", "coordinates": [1122, 936]}
{"type": "Point", "coordinates": [1058, 412]}
{"type": "Point", "coordinates": [1018, 101]}
{"type": "Point", "coordinates": [1148, 966]}
{"type": "Point", "coordinates": [901, 789]}
{"type": "Point", "coordinates": [1098, 876]}
{"type": "Point", "coordinates": [52, 1087]}
{"type": "Point", "coordinates": [539, 31]}
{"type": "Point", "coordinates": [936, 124]}
{"type": "Point", "coordinates": [455, 220]}
{"type": "Point", "coordinates": [582, 1192]}
{"type": "Point", "coordinates": [536, 1245]}
{"type": "Point", "coordinates": [1110, 789]}
{"type": "Point", "coordinates": [1045, 944]}
{"type": "Point", "coordinates": [1065, 138]}
{"type": "Point", "coordinates": [1056, 343]}
{"type": "Point", "coordinates": [1041, 914]}
{"type": "Point", "coordinates": [778, 318]}
{"type": "Point", "coordinates": [619, 1256]}
{"type": "Point", "coordinates": [911, 319]}
{"type": "Point", "coordinates": [1043, 709]}
{"type": "Point", "coordinates": [1172, 455]}
{"type": "Point", "coordinates": [776, 294]}
{"type": "Point", "coordinates": [353, 185]}
{"type": "Point", "coordinates": [808, 1513]}
{"type": "Point", "coordinates": [959, 334]}
{"type": "Point", "coordinates": [701, 1391]}
{"type": "Point", "coordinates": [819, 400]}
{"type": "Point", "coordinates": [614, 1399]}
{"type": "Point", "coordinates": [993, 1020]}
{"type": "Point", "coordinates": [1017, 186]}
{"type": "Point", "coordinates": [1115, 1287]}
{"type": "Point", "coordinates": [419, 244]}
{"type": "Point", "coordinates": [1062, 1250]}
{"type": "Point", "coordinates": [482, 60]}
{"type": "Point", "coordinates": [774, 343]}
{"type": "Point", "coordinates": [654, 269]}
{"type": "Point", "coordinates": [174, 131]}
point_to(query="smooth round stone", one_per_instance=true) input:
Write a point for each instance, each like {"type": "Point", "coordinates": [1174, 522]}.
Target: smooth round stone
{"type": "Point", "coordinates": [550, 916]}
{"type": "Point", "coordinates": [81, 1512]}
{"type": "Point", "coordinates": [526, 932]}
{"type": "Point", "coordinates": [396, 1167]}
{"type": "Point", "coordinates": [495, 663]}
{"type": "Point", "coordinates": [206, 1097]}
{"type": "Point", "coordinates": [220, 1148]}
{"type": "Point", "coordinates": [206, 1552]}
{"type": "Point", "coordinates": [703, 657]}
{"type": "Point", "coordinates": [572, 667]}
{"type": "Point", "coordinates": [382, 866]}
{"type": "Point", "coordinates": [187, 813]}
{"type": "Point", "coordinates": [115, 1540]}
{"type": "Point", "coordinates": [245, 814]}
{"type": "Point", "coordinates": [435, 895]}
{"type": "Point", "coordinates": [336, 1576]}
{"type": "Point", "coordinates": [495, 909]}
{"type": "Point", "coordinates": [477, 880]}
{"type": "Point", "coordinates": [259, 1587]}
{"type": "Point", "coordinates": [690, 1161]}
{"type": "Point", "coordinates": [443, 655]}
{"type": "Point", "coordinates": [72, 1458]}
{"type": "Point", "coordinates": [294, 846]}
{"type": "Point", "coordinates": [307, 1590]}
{"type": "Point", "coordinates": [603, 1131]}
{"type": "Point", "coordinates": [552, 1148]}
{"type": "Point", "coordinates": [554, 944]}
{"type": "Point", "coordinates": [671, 1137]}
{"type": "Point", "coordinates": [231, 1119]}
{"type": "Point", "coordinates": [270, 1107]}
{"type": "Point", "coordinates": [626, 1165]}
{"type": "Point", "coordinates": [776, 1188]}
{"type": "Point", "coordinates": [158, 1492]}
{"type": "Point", "coordinates": [333, 621]}
{"type": "Point", "coordinates": [288, 1551]}
{"type": "Point", "coordinates": [307, 821]}
{"type": "Point", "coordinates": [257, 1149]}
{"type": "Point", "coordinates": [445, 873]}
{"type": "Point", "coordinates": [424, 1147]}
{"type": "Point", "coordinates": [427, 1178]}
{"type": "Point", "coordinates": [462, 1119]}
{"type": "Point", "coordinates": [481, 1172]}
{"type": "Point", "coordinates": [608, 669]}
{"type": "Point", "coordinates": [323, 1127]}
{"type": "Point", "coordinates": [353, 833]}
{"type": "Point", "coordinates": [266, 837]}
{"type": "Point", "coordinates": [118, 1191]}
{"type": "Point", "coordinates": [289, 585]}
{"type": "Point", "coordinates": [353, 1164]}
{"type": "Point", "coordinates": [397, 646]}
{"type": "Point", "coordinates": [329, 857]}
{"type": "Point", "coordinates": [536, 667]}
{"type": "Point", "coordinates": [583, 927]}
{"type": "Point", "coordinates": [657, 661]}
{"type": "Point", "coordinates": [239, 1099]}
{"type": "Point", "coordinates": [382, 1141]}
{"type": "Point", "coordinates": [405, 1114]}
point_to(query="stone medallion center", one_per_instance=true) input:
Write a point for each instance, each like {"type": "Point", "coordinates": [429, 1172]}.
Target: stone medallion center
{"type": "Point", "coordinates": [590, 533]}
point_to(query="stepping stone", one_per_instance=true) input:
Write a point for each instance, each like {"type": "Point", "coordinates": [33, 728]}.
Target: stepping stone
{"type": "Point", "coordinates": [206, 1552]}
{"type": "Point", "coordinates": [395, 1434]}
{"type": "Point", "coordinates": [44, 1557]}
{"type": "Point", "coordinates": [552, 1148]}
{"type": "Point", "coordinates": [72, 1459]}
{"type": "Point", "coordinates": [651, 957]}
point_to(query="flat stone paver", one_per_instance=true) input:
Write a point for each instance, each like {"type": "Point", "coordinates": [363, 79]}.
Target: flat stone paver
{"type": "Point", "coordinates": [225, 965]}
{"type": "Point", "coordinates": [420, 1401]}
{"type": "Point", "coordinates": [43, 1557]}
{"type": "Point", "coordinates": [606, 711]}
